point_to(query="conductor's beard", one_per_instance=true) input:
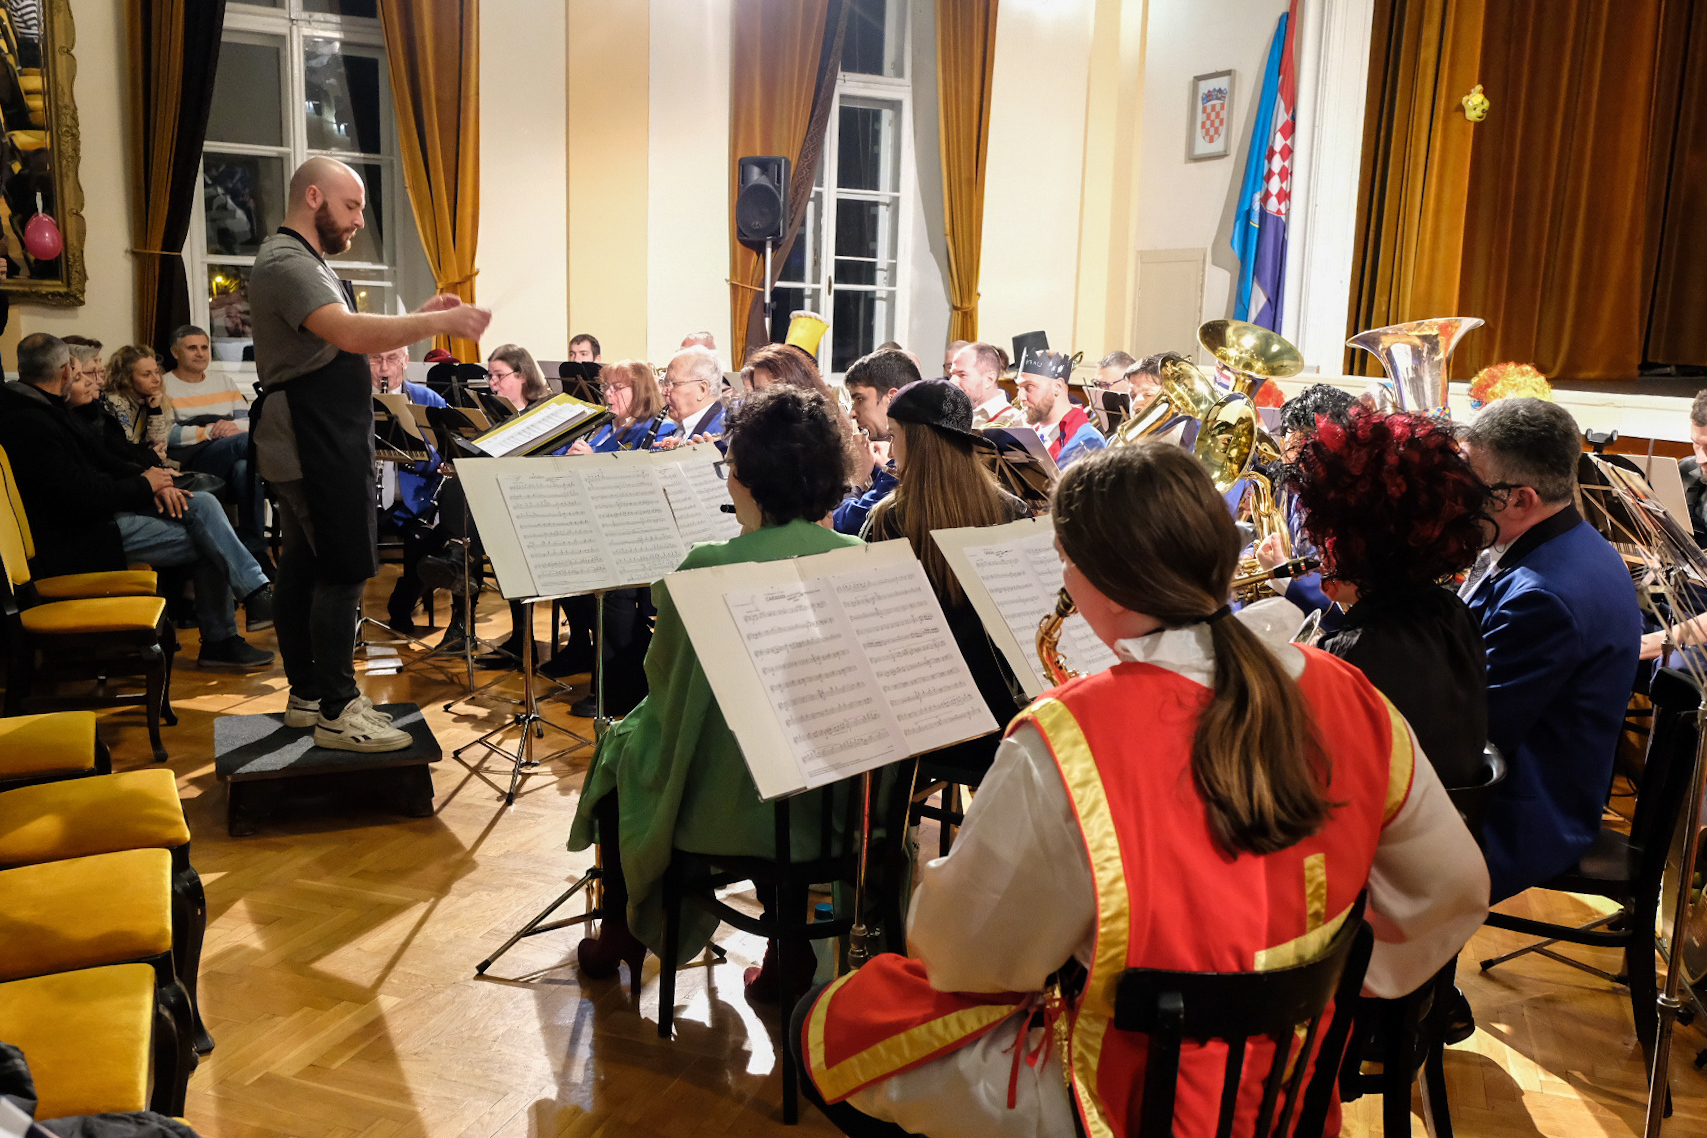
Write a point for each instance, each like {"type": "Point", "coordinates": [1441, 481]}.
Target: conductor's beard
{"type": "Point", "coordinates": [334, 238]}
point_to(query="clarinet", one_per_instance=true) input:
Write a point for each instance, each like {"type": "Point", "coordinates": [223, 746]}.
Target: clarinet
{"type": "Point", "coordinates": [657, 422]}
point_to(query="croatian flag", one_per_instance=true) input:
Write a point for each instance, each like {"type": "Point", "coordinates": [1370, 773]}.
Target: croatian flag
{"type": "Point", "coordinates": [1259, 232]}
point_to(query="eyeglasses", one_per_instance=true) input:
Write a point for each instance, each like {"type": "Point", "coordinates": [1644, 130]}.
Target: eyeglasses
{"type": "Point", "coordinates": [490, 375]}
{"type": "Point", "coordinates": [606, 389]}
{"type": "Point", "coordinates": [667, 384]}
{"type": "Point", "coordinates": [721, 467]}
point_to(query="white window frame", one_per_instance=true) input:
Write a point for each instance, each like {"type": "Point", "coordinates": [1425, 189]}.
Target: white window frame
{"type": "Point", "coordinates": [295, 27]}
{"type": "Point", "coordinates": [877, 87]}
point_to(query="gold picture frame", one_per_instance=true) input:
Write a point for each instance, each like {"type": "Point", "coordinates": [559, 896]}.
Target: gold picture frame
{"type": "Point", "coordinates": [40, 150]}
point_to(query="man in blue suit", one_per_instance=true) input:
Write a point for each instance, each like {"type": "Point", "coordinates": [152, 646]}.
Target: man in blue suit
{"type": "Point", "coordinates": [692, 384]}
{"type": "Point", "coordinates": [1559, 617]}
{"type": "Point", "coordinates": [412, 509]}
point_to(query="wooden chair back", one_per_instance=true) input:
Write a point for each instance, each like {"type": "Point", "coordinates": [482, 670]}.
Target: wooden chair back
{"type": "Point", "coordinates": [1236, 1007]}
{"type": "Point", "coordinates": [17, 502]}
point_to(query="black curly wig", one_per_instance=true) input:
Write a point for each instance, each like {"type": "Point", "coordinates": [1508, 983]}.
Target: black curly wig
{"type": "Point", "coordinates": [1389, 501]}
{"type": "Point", "coordinates": [787, 447]}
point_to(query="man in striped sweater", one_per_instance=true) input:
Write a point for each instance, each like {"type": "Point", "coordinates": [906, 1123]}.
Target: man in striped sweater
{"type": "Point", "coordinates": [210, 428]}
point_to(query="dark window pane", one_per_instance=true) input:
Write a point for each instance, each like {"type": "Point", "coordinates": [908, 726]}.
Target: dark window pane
{"type": "Point", "coordinates": [794, 267]}
{"type": "Point", "coordinates": [342, 98]}
{"type": "Point", "coordinates": [228, 305]}
{"type": "Point", "coordinates": [855, 327]}
{"type": "Point", "coordinates": [372, 294]}
{"type": "Point", "coordinates": [243, 198]}
{"type": "Point", "coordinates": [860, 150]}
{"type": "Point", "coordinates": [368, 8]}
{"type": "Point", "coordinates": [856, 229]}
{"type": "Point", "coordinates": [863, 48]}
{"type": "Point", "coordinates": [247, 95]}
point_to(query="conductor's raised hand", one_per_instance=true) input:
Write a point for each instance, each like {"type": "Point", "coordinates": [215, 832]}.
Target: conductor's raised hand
{"type": "Point", "coordinates": [465, 321]}
{"type": "Point", "coordinates": [441, 303]}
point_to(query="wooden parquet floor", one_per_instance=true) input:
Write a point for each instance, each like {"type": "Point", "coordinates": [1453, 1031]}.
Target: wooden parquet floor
{"type": "Point", "coordinates": [338, 975]}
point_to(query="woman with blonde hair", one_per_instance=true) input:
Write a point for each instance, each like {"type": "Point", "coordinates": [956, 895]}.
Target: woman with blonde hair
{"type": "Point", "coordinates": [639, 417]}
{"type": "Point", "coordinates": [136, 392]}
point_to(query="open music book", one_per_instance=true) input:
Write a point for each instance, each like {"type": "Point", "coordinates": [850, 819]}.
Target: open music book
{"type": "Point", "coordinates": [829, 665]}
{"type": "Point", "coordinates": [545, 427]}
{"type": "Point", "coordinates": [561, 526]}
{"type": "Point", "coordinates": [1012, 575]}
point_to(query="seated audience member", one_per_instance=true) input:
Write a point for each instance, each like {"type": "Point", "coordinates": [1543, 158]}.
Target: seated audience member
{"type": "Point", "coordinates": [512, 373]}
{"type": "Point", "coordinates": [1298, 419]}
{"type": "Point", "coordinates": [1062, 425]}
{"type": "Point", "coordinates": [1559, 617]}
{"type": "Point", "coordinates": [948, 357]}
{"type": "Point", "coordinates": [976, 369]}
{"type": "Point", "coordinates": [91, 511]}
{"type": "Point", "coordinates": [136, 395]}
{"type": "Point", "coordinates": [210, 427]}
{"type": "Point", "coordinates": [944, 485]}
{"type": "Point", "coordinates": [671, 774]}
{"type": "Point", "coordinates": [639, 417]}
{"type": "Point", "coordinates": [1111, 372]}
{"type": "Point", "coordinates": [1394, 509]}
{"type": "Point", "coordinates": [691, 386]}
{"type": "Point", "coordinates": [1226, 762]}
{"type": "Point", "coordinates": [871, 382]}
{"type": "Point", "coordinates": [699, 340]}
{"type": "Point", "coordinates": [584, 349]}
{"type": "Point", "coordinates": [1694, 484]}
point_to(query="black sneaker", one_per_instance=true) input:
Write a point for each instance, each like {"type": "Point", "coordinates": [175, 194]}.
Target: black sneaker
{"type": "Point", "coordinates": [233, 655]}
{"type": "Point", "coordinates": [258, 610]}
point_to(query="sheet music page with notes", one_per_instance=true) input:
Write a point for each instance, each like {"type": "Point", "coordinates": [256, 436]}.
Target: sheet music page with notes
{"type": "Point", "coordinates": [697, 494]}
{"type": "Point", "coordinates": [555, 414]}
{"type": "Point", "coordinates": [830, 664]}
{"type": "Point", "coordinates": [560, 541]}
{"type": "Point", "coordinates": [1012, 576]}
{"type": "Point", "coordinates": [639, 531]}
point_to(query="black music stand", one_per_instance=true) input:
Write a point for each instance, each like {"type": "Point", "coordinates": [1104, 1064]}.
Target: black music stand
{"type": "Point", "coordinates": [1021, 464]}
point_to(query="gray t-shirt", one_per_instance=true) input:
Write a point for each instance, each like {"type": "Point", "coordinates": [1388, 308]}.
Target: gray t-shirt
{"type": "Point", "coordinates": [288, 283]}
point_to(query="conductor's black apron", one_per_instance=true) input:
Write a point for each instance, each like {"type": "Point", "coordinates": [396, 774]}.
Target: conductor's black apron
{"type": "Point", "coordinates": [331, 411]}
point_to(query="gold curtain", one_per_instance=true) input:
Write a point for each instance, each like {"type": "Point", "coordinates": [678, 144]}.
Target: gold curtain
{"type": "Point", "coordinates": [432, 48]}
{"type": "Point", "coordinates": [774, 51]}
{"type": "Point", "coordinates": [966, 56]}
{"type": "Point", "coordinates": [1677, 205]}
{"type": "Point", "coordinates": [1417, 145]}
{"type": "Point", "coordinates": [1555, 237]}
{"type": "Point", "coordinates": [174, 56]}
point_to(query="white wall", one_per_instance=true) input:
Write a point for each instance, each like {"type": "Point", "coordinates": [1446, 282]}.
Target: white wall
{"type": "Point", "coordinates": [1028, 273]}
{"type": "Point", "coordinates": [1191, 204]}
{"type": "Point", "coordinates": [523, 196]}
{"type": "Point", "coordinates": [110, 312]}
{"type": "Point", "coordinates": [687, 231]}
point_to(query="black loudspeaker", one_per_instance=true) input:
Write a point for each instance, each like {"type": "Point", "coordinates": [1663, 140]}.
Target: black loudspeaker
{"type": "Point", "coordinates": [761, 202]}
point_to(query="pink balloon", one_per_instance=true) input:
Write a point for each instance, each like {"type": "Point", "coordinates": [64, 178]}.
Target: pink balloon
{"type": "Point", "coordinates": [42, 237]}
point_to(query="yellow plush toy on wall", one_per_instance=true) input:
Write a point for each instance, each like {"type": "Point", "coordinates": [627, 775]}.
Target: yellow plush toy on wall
{"type": "Point", "coordinates": [1475, 104]}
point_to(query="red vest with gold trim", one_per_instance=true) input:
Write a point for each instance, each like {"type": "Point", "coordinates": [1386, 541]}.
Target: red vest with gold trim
{"type": "Point", "coordinates": [1167, 896]}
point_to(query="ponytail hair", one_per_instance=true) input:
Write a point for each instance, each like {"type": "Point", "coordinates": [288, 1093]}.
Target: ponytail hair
{"type": "Point", "coordinates": [1146, 527]}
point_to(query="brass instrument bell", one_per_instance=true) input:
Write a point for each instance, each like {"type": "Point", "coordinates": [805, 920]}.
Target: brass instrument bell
{"type": "Point", "coordinates": [1249, 354]}
{"type": "Point", "coordinates": [1415, 356]}
{"type": "Point", "coordinates": [1186, 393]}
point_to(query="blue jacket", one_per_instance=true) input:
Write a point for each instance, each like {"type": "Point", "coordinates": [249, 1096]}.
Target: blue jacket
{"type": "Point", "coordinates": [851, 514]}
{"type": "Point", "coordinates": [1562, 629]}
{"type": "Point", "coordinates": [633, 437]}
{"type": "Point", "coordinates": [707, 421]}
{"type": "Point", "coordinates": [416, 484]}
{"type": "Point", "coordinates": [1084, 438]}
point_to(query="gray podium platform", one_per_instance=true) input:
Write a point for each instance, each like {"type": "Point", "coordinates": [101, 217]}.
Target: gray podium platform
{"type": "Point", "coordinates": [263, 763]}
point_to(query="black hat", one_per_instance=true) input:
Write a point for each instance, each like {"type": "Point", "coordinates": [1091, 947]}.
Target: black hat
{"type": "Point", "coordinates": [1050, 365]}
{"type": "Point", "coordinates": [934, 403]}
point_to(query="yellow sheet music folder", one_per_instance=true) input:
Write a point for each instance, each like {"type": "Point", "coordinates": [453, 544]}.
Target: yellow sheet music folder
{"type": "Point", "coordinates": [539, 428]}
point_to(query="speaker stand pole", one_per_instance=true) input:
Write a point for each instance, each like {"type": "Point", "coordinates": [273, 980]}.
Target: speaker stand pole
{"type": "Point", "coordinates": [769, 323]}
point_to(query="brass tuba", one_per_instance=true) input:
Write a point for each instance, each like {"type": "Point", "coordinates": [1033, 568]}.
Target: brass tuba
{"type": "Point", "coordinates": [1414, 356]}
{"type": "Point", "coordinates": [1187, 394]}
{"type": "Point", "coordinates": [1249, 355]}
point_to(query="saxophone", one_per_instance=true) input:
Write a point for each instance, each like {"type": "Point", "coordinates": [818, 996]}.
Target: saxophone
{"type": "Point", "coordinates": [1049, 640]}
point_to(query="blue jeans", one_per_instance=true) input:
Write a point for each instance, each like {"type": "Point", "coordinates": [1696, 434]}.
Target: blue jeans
{"type": "Point", "coordinates": [203, 538]}
{"type": "Point", "coordinates": [228, 458]}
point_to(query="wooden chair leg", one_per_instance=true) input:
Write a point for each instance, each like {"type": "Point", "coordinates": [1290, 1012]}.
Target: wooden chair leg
{"type": "Point", "coordinates": [1437, 1112]}
{"type": "Point", "coordinates": [171, 1078]}
{"type": "Point", "coordinates": [154, 664]}
{"type": "Point", "coordinates": [167, 715]}
{"type": "Point", "coordinates": [189, 926]}
{"type": "Point", "coordinates": [667, 963]}
{"type": "Point", "coordinates": [1639, 976]}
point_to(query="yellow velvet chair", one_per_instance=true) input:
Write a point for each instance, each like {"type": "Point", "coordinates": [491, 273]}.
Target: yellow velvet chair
{"type": "Point", "coordinates": [135, 581]}
{"type": "Point", "coordinates": [94, 1040]}
{"type": "Point", "coordinates": [82, 640]}
{"type": "Point", "coordinates": [114, 908]}
{"type": "Point", "coordinates": [52, 746]}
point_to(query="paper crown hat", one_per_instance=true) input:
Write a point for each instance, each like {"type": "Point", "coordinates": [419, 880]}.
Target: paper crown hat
{"type": "Point", "coordinates": [1051, 365]}
{"type": "Point", "coordinates": [805, 329]}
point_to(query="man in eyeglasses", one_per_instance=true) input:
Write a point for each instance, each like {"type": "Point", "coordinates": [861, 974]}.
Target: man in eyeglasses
{"type": "Point", "coordinates": [691, 384]}
{"type": "Point", "coordinates": [1560, 621]}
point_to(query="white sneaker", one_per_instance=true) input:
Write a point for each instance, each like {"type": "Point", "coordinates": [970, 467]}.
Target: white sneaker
{"type": "Point", "coordinates": [302, 712]}
{"type": "Point", "coordinates": [360, 728]}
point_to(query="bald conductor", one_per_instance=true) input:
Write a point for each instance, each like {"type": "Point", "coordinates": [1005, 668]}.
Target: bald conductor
{"type": "Point", "coordinates": [314, 444]}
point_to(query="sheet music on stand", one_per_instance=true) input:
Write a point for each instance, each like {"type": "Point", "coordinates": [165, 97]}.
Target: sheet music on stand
{"type": "Point", "coordinates": [397, 430]}
{"type": "Point", "coordinates": [1021, 463]}
{"type": "Point", "coordinates": [829, 665]}
{"type": "Point", "coordinates": [572, 524]}
{"type": "Point", "coordinates": [546, 427]}
{"type": "Point", "coordinates": [1012, 576]}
